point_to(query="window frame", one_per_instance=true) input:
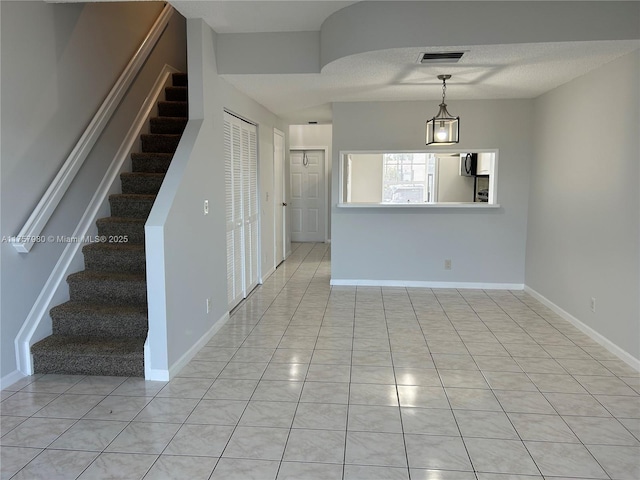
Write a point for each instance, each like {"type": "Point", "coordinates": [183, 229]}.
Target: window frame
{"type": "Point", "coordinates": [493, 180]}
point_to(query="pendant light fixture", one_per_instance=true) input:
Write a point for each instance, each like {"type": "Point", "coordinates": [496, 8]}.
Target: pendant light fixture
{"type": "Point", "coordinates": [444, 128]}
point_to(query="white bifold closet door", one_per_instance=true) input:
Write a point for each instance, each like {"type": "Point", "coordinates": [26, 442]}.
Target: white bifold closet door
{"type": "Point", "coordinates": [241, 184]}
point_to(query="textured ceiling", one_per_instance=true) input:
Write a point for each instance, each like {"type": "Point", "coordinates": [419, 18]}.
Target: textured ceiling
{"type": "Point", "coordinates": [485, 72]}
{"type": "Point", "coordinates": [496, 71]}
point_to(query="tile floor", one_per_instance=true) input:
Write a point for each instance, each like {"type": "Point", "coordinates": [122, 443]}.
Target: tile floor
{"type": "Point", "coordinates": [311, 382]}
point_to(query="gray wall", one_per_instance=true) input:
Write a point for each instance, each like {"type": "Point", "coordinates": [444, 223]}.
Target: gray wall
{"type": "Point", "coordinates": [380, 25]}
{"type": "Point", "coordinates": [268, 52]}
{"type": "Point", "coordinates": [583, 224]}
{"type": "Point", "coordinates": [188, 269]}
{"type": "Point", "coordinates": [402, 244]}
{"type": "Point", "coordinates": [58, 63]}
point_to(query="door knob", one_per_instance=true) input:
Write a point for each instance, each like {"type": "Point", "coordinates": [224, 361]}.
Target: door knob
{"type": "Point", "coordinates": [284, 204]}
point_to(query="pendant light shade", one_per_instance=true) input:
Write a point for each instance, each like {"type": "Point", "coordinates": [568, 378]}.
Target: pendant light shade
{"type": "Point", "coordinates": [444, 128]}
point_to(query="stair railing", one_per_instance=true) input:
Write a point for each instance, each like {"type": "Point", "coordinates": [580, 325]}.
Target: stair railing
{"type": "Point", "coordinates": [32, 229]}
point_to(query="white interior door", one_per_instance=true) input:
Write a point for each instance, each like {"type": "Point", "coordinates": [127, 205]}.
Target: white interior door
{"type": "Point", "coordinates": [307, 196]}
{"type": "Point", "coordinates": [279, 203]}
{"type": "Point", "coordinates": [241, 189]}
{"type": "Point", "coordinates": [233, 209]}
{"type": "Point", "coordinates": [250, 217]}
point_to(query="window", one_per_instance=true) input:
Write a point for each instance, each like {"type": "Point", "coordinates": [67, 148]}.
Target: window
{"type": "Point", "coordinates": [419, 178]}
{"type": "Point", "coordinates": [408, 177]}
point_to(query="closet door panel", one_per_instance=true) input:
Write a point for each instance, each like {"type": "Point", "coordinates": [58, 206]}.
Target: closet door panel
{"type": "Point", "coordinates": [241, 209]}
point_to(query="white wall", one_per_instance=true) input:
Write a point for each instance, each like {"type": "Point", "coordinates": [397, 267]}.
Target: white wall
{"type": "Point", "coordinates": [312, 136]}
{"type": "Point", "coordinates": [453, 187]}
{"type": "Point", "coordinates": [58, 63]}
{"type": "Point", "coordinates": [486, 246]}
{"type": "Point", "coordinates": [186, 250]}
{"type": "Point", "coordinates": [583, 225]}
{"type": "Point", "coordinates": [366, 178]}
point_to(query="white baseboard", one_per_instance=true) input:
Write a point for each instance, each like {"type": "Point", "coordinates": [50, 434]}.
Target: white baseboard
{"type": "Point", "coordinates": [267, 275]}
{"type": "Point", "coordinates": [425, 284]}
{"type": "Point", "coordinates": [166, 375]}
{"type": "Point", "coordinates": [10, 379]}
{"type": "Point", "coordinates": [593, 334]}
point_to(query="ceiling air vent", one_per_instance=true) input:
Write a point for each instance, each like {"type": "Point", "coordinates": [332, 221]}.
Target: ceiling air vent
{"type": "Point", "coordinates": [440, 57]}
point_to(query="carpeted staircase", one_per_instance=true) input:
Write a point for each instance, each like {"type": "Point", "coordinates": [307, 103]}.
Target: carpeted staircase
{"type": "Point", "coordinates": [101, 330]}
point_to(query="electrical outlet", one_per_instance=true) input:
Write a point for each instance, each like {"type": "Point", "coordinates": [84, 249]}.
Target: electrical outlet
{"type": "Point", "coordinates": [208, 305]}
{"type": "Point", "coordinates": [206, 207]}
{"type": "Point", "coordinates": [593, 304]}
{"type": "Point", "coordinates": [447, 264]}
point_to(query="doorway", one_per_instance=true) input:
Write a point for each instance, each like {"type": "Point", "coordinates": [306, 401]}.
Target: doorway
{"type": "Point", "coordinates": [279, 197]}
{"type": "Point", "coordinates": [307, 196]}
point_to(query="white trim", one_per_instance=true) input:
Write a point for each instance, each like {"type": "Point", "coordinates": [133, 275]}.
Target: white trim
{"type": "Point", "coordinates": [426, 284]}
{"type": "Point", "coordinates": [10, 379]}
{"type": "Point", "coordinates": [470, 205]}
{"type": "Point", "coordinates": [493, 181]}
{"type": "Point", "coordinates": [593, 334]}
{"type": "Point", "coordinates": [283, 181]}
{"type": "Point", "coordinates": [166, 375]}
{"type": "Point", "coordinates": [48, 203]}
{"type": "Point", "coordinates": [46, 298]}
{"type": "Point", "coordinates": [240, 117]}
{"type": "Point", "coordinates": [327, 184]}
{"type": "Point", "coordinates": [267, 275]}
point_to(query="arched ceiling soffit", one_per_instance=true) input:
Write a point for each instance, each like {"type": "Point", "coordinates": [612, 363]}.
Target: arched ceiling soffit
{"type": "Point", "coordinates": [359, 31]}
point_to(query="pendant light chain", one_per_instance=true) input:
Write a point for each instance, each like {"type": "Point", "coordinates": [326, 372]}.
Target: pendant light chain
{"type": "Point", "coordinates": [443, 128]}
{"type": "Point", "coordinates": [444, 89]}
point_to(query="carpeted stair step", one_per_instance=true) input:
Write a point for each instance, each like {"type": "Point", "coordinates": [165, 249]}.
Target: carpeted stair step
{"type": "Point", "coordinates": [99, 320]}
{"type": "Point", "coordinates": [108, 287]}
{"type": "Point", "coordinates": [151, 162]}
{"type": "Point", "coordinates": [114, 257]}
{"type": "Point", "coordinates": [141, 182]}
{"type": "Point", "coordinates": [73, 355]}
{"type": "Point", "coordinates": [173, 125]}
{"type": "Point", "coordinates": [176, 94]}
{"type": "Point", "coordinates": [131, 205]}
{"type": "Point", "coordinates": [179, 79]}
{"type": "Point", "coordinates": [173, 109]}
{"type": "Point", "coordinates": [102, 329]}
{"type": "Point", "coordinates": [116, 227]}
{"type": "Point", "coordinates": [159, 142]}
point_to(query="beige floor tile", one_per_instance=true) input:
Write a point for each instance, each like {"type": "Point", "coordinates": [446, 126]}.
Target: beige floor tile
{"type": "Point", "coordinates": [312, 381]}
